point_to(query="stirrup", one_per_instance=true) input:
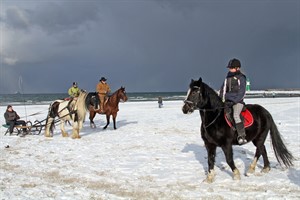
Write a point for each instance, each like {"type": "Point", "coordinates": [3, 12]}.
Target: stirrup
{"type": "Point", "coordinates": [241, 140]}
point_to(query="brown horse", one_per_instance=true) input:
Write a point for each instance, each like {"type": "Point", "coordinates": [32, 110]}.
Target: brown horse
{"type": "Point", "coordinates": [111, 107]}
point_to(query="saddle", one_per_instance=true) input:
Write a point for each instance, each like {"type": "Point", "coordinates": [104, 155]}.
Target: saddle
{"type": "Point", "coordinates": [246, 117]}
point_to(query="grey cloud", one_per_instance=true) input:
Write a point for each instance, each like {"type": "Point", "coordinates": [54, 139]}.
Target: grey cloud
{"type": "Point", "coordinates": [63, 16]}
{"type": "Point", "coordinates": [16, 18]}
{"type": "Point", "coordinates": [160, 45]}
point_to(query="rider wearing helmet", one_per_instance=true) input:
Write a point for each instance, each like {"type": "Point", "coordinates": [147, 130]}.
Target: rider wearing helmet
{"type": "Point", "coordinates": [74, 91]}
{"type": "Point", "coordinates": [232, 93]}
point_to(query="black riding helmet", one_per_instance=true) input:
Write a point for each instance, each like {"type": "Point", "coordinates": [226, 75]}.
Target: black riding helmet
{"type": "Point", "coordinates": [234, 63]}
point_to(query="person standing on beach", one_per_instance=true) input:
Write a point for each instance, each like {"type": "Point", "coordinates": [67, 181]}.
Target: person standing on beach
{"type": "Point", "coordinates": [232, 93]}
{"type": "Point", "coordinates": [74, 91]}
{"type": "Point", "coordinates": [12, 119]}
{"type": "Point", "coordinates": [160, 102]}
{"type": "Point", "coordinates": [103, 89]}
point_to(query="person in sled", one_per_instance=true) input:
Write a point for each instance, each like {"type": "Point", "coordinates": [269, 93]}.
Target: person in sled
{"type": "Point", "coordinates": [232, 93]}
{"type": "Point", "coordinates": [12, 119]}
{"type": "Point", "coordinates": [103, 90]}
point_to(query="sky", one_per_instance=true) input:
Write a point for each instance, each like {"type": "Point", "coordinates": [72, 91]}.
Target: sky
{"type": "Point", "coordinates": [146, 45]}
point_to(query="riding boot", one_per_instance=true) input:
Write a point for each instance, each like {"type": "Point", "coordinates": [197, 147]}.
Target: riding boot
{"type": "Point", "coordinates": [241, 133]}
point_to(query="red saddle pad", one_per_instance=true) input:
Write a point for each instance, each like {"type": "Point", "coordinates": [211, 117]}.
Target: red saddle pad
{"type": "Point", "coordinates": [248, 118]}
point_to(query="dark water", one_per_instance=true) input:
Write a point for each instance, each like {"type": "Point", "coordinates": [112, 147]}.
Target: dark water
{"type": "Point", "coordinates": [38, 99]}
{"type": "Point", "coordinates": [44, 99]}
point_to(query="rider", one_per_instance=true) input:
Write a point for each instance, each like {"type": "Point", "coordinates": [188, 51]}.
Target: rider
{"type": "Point", "coordinates": [74, 91]}
{"type": "Point", "coordinates": [103, 89]}
{"type": "Point", "coordinates": [232, 93]}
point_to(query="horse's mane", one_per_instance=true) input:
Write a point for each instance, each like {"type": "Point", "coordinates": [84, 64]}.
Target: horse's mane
{"type": "Point", "coordinates": [116, 92]}
{"type": "Point", "coordinates": [214, 99]}
{"type": "Point", "coordinates": [80, 104]}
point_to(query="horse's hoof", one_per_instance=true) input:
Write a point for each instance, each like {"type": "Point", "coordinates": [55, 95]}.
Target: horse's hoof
{"type": "Point", "coordinates": [236, 175]}
{"type": "Point", "coordinates": [265, 169]}
{"type": "Point", "coordinates": [250, 171]}
{"type": "Point", "coordinates": [76, 137]}
{"type": "Point", "coordinates": [93, 126]}
{"type": "Point", "coordinates": [48, 136]}
{"type": "Point", "coordinates": [210, 177]}
{"type": "Point", "coordinates": [208, 180]}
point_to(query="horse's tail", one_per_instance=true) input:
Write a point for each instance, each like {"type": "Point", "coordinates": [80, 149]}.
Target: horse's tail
{"type": "Point", "coordinates": [283, 155]}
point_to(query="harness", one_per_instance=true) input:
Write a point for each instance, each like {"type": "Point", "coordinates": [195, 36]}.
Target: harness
{"type": "Point", "coordinates": [195, 107]}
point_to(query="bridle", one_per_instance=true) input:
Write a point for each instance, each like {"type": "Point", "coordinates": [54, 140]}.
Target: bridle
{"type": "Point", "coordinates": [204, 110]}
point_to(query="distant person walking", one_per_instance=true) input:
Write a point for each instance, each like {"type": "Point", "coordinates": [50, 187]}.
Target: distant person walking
{"type": "Point", "coordinates": [232, 93]}
{"type": "Point", "coordinates": [12, 119]}
{"type": "Point", "coordinates": [103, 90]}
{"type": "Point", "coordinates": [74, 91]}
{"type": "Point", "coordinates": [160, 102]}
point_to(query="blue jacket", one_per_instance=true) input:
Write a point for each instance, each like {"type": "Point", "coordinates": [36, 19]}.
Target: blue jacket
{"type": "Point", "coordinates": [234, 87]}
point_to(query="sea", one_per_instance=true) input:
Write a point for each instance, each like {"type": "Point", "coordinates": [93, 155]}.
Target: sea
{"type": "Point", "coordinates": [45, 99]}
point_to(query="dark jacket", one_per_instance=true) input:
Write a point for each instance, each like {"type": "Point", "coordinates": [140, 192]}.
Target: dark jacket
{"type": "Point", "coordinates": [11, 116]}
{"type": "Point", "coordinates": [234, 87]}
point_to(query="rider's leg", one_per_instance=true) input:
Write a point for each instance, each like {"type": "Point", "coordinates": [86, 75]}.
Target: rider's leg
{"type": "Point", "coordinates": [237, 109]}
{"type": "Point", "coordinates": [102, 99]}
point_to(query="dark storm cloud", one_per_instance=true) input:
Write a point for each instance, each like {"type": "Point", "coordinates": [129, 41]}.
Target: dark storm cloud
{"type": "Point", "coordinates": [151, 45]}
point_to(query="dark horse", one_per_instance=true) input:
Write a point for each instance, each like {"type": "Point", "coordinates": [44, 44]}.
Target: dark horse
{"type": "Point", "coordinates": [216, 133]}
{"type": "Point", "coordinates": [111, 107]}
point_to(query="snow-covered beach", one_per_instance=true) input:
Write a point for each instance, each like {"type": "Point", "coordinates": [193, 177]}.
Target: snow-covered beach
{"type": "Point", "coordinates": [154, 154]}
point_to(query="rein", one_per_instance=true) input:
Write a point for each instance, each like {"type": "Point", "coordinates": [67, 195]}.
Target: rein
{"type": "Point", "coordinates": [213, 121]}
{"type": "Point", "coordinates": [204, 110]}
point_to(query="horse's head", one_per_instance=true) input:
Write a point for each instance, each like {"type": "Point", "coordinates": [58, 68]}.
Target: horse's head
{"type": "Point", "coordinates": [195, 98]}
{"type": "Point", "coordinates": [122, 94]}
{"type": "Point", "coordinates": [93, 100]}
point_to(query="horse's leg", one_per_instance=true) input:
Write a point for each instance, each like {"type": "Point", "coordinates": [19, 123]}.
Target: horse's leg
{"type": "Point", "coordinates": [107, 121]}
{"type": "Point", "coordinates": [47, 127]}
{"type": "Point", "coordinates": [211, 153]}
{"type": "Point", "coordinates": [75, 131]}
{"type": "Point", "coordinates": [80, 125]}
{"type": "Point", "coordinates": [114, 115]}
{"type": "Point", "coordinates": [92, 116]}
{"type": "Point", "coordinates": [62, 128]}
{"type": "Point", "coordinates": [260, 150]}
{"type": "Point", "coordinates": [229, 159]}
{"type": "Point", "coordinates": [267, 167]}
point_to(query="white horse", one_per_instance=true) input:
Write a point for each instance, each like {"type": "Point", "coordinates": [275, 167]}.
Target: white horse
{"type": "Point", "coordinates": [71, 110]}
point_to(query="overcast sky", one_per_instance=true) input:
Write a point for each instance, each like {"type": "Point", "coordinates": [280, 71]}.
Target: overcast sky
{"type": "Point", "coordinates": [146, 45]}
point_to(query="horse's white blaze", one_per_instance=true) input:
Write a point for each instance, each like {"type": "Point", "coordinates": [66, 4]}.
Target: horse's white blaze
{"type": "Point", "coordinates": [187, 94]}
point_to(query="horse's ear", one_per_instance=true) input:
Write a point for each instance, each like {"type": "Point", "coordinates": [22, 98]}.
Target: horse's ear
{"type": "Point", "coordinates": [200, 80]}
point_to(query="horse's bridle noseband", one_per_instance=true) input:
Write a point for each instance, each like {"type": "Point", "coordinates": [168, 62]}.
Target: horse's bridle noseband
{"type": "Point", "coordinates": [195, 107]}
{"type": "Point", "coordinates": [193, 104]}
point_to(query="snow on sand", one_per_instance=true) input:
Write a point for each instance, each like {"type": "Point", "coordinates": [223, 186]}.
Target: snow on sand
{"type": "Point", "coordinates": [154, 154]}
